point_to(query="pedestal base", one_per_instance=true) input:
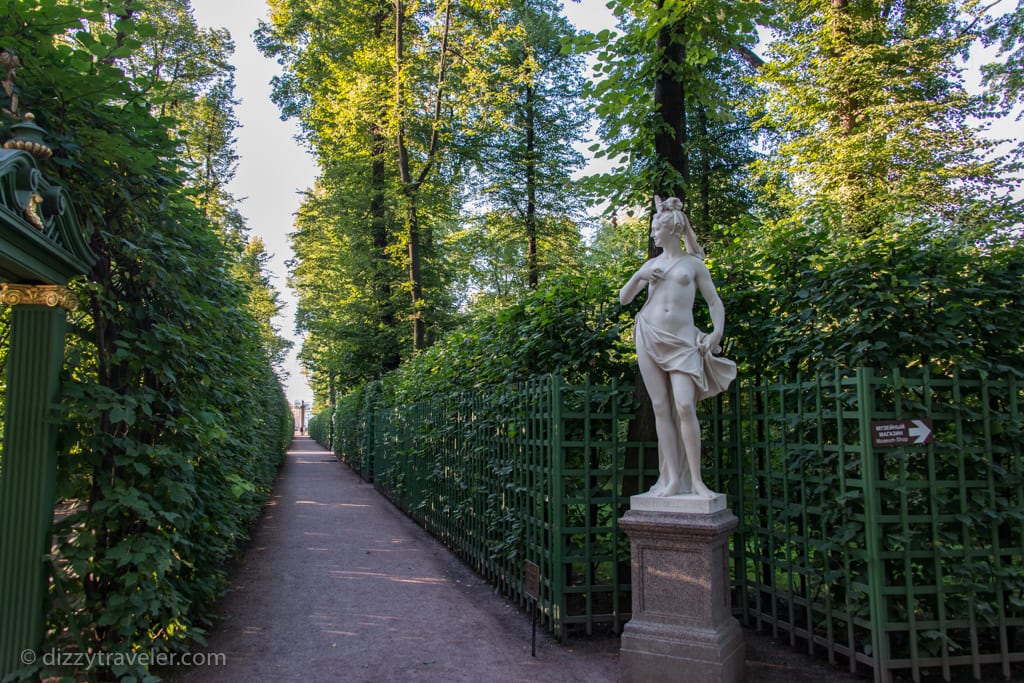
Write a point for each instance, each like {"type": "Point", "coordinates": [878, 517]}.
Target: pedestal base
{"type": "Point", "coordinates": [682, 628]}
{"type": "Point", "coordinates": [683, 502]}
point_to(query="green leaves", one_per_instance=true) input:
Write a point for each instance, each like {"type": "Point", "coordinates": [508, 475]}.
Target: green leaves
{"type": "Point", "coordinates": [571, 325]}
{"type": "Point", "coordinates": [445, 180]}
{"type": "Point", "coordinates": [908, 299]}
{"type": "Point", "coordinates": [173, 422]}
{"type": "Point", "coordinates": [873, 121]}
{"type": "Point", "coordinates": [665, 90]}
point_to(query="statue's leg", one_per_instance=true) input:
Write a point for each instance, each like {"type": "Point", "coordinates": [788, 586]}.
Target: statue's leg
{"type": "Point", "coordinates": [660, 483]}
{"type": "Point", "coordinates": [659, 388]}
{"type": "Point", "coordinates": [685, 478]}
{"type": "Point", "coordinates": [685, 393]}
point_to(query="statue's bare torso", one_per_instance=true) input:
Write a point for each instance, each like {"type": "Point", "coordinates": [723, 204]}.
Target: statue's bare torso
{"type": "Point", "coordinates": [671, 294]}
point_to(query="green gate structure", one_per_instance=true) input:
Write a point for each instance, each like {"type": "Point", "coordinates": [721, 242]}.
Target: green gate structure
{"type": "Point", "coordinates": [41, 248]}
{"type": "Point", "coordinates": [893, 557]}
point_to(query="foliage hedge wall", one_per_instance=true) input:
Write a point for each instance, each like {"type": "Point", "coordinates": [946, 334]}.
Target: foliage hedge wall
{"type": "Point", "coordinates": [571, 325]}
{"type": "Point", "coordinates": [795, 301]}
{"type": "Point", "coordinates": [173, 420]}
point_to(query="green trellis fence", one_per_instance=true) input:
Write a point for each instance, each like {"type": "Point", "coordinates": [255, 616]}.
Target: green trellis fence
{"type": "Point", "coordinates": [892, 560]}
{"type": "Point", "coordinates": [534, 472]}
{"type": "Point", "coordinates": [899, 559]}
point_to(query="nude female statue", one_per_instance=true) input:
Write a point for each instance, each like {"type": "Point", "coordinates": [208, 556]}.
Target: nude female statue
{"type": "Point", "coordinates": [676, 359]}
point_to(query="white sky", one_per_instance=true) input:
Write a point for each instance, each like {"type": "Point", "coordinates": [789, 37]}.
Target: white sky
{"type": "Point", "coordinates": [273, 168]}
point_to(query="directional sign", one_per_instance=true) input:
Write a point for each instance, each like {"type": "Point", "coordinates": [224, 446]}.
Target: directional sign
{"type": "Point", "coordinates": [900, 432]}
{"type": "Point", "coordinates": [531, 579]}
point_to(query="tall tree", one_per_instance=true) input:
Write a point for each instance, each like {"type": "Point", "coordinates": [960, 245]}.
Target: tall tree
{"type": "Point", "coordinates": [524, 163]}
{"type": "Point", "coordinates": [263, 300]}
{"type": "Point", "coordinates": [191, 79]}
{"type": "Point", "coordinates": [337, 60]}
{"type": "Point", "coordinates": [877, 183]}
{"type": "Point", "coordinates": [873, 121]}
{"type": "Point", "coordinates": [666, 92]}
{"type": "Point", "coordinates": [208, 140]}
{"type": "Point", "coordinates": [387, 94]}
{"type": "Point", "coordinates": [443, 53]}
{"type": "Point", "coordinates": [349, 326]}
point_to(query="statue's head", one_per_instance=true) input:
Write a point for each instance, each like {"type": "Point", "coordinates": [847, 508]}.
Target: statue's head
{"type": "Point", "coordinates": [671, 211]}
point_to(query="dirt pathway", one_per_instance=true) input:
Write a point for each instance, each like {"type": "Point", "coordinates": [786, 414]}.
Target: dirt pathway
{"type": "Point", "coordinates": [337, 585]}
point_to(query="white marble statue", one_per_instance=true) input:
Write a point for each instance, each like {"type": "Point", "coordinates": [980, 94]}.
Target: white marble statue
{"type": "Point", "coordinates": [676, 359]}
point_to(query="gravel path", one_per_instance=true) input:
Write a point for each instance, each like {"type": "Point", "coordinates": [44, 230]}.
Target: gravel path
{"type": "Point", "coordinates": [338, 585]}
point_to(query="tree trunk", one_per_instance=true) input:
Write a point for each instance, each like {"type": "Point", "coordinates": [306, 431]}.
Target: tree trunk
{"type": "Point", "coordinates": [415, 281]}
{"type": "Point", "coordinates": [847, 105]}
{"type": "Point", "coordinates": [380, 238]}
{"type": "Point", "coordinates": [532, 266]}
{"type": "Point", "coordinates": [670, 140]}
{"type": "Point", "coordinates": [705, 169]}
{"type": "Point", "coordinates": [840, 43]}
{"type": "Point", "coordinates": [410, 186]}
{"type": "Point", "coordinates": [332, 397]}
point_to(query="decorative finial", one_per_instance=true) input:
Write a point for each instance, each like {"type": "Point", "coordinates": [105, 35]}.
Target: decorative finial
{"type": "Point", "coordinates": [29, 137]}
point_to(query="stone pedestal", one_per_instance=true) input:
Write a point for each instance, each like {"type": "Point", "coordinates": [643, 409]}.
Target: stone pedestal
{"type": "Point", "coordinates": [682, 628]}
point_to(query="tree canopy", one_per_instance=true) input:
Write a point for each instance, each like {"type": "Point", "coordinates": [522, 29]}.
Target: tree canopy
{"type": "Point", "coordinates": [814, 145]}
{"type": "Point", "coordinates": [428, 118]}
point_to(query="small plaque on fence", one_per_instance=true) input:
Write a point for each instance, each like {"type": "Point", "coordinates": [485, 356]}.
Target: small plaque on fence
{"type": "Point", "coordinates": [900, 432]}
{"type": "Point", "coordinates": [531, 579]}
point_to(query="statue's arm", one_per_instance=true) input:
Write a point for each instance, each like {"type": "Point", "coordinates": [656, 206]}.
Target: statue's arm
{"type": "Point", "coordinates": [634, 286]}
{"type": "Point", "coordinates": [715, 306]}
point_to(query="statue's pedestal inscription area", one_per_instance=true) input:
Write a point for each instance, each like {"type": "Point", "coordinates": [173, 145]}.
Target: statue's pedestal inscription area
{"type": "Point", "coordinates": [682, 626]}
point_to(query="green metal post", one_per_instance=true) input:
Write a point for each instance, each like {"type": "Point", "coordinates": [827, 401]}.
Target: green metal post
{"type": "Point", "coordinates": [27, 477]}
{"type": "Point", "coordinates": [558, 601]}
{"type": "Point", "coordinates": [40, 251]}
{"type": "Point", "coordinates": [872, 511]}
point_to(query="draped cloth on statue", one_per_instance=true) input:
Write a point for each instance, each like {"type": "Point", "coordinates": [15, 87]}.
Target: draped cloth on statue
{"type": "Point", "coordinates": [711, 374]}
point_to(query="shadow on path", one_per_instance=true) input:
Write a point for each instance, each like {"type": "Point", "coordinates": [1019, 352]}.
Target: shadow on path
{"type": "Point", "coordinates": [337, 585]}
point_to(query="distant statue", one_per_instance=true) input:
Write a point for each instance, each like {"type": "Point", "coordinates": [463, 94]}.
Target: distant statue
{"type": "Point", "coordinates": [677, 360]}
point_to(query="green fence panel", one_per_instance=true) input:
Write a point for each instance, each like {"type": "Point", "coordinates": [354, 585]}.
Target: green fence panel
{"type": "Point", "coordinates": [594, 553]}
{"type": "Point", "coordinates": [895, 560]}
{"type": "Point", "coordinates": [903, 559]}
{"type": "Point", "coordinates": [539, 471]}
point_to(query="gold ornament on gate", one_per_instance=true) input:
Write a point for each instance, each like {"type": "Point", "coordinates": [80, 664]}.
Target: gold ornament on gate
{"type": "Point", "coordinates": [29, 137]}
{"type": "Point", "coordinates": [37, 295]}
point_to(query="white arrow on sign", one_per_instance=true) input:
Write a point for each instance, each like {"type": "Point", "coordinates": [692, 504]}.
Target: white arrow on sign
{"type": "Point", "coordinates": [921, 431]}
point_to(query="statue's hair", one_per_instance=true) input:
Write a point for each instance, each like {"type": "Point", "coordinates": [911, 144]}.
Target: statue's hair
{"type": "Point", "coordinates": [680, 223]}
{"type": "Point", "coordinates": [672, 204]}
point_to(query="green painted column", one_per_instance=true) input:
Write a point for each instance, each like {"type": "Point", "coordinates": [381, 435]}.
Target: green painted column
{"type": "Point", "coordinates": [28, 469]}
